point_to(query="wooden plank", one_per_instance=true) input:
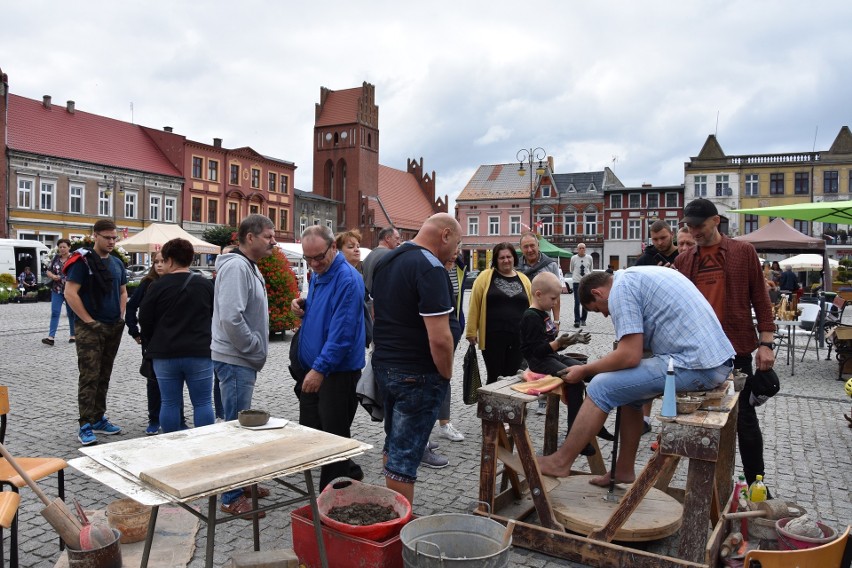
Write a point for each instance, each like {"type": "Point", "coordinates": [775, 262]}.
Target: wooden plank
{"type": "Point", "coordinates": [696, 507]}
{"type": "Point", "coordinates": [488, 462]}
{"type": "Point", "coordinates": [667, 472]}
{"type": "Point", "coordinates": [583, 508]}
{"type": "Point", "coordinates": [513, 462]}
{"type": "Point", "coordinates": [690, 441]}
{"type": "Point", "coordinates": [510, 476]}
{"type": "Point", "coordinates": [534, 477]}
{"type": "Point", "coordinates": [200, 475]}
{"type": "Point", "coordinates": [551, 425]}
{"type": "Point", "coordinates": [589, 552]}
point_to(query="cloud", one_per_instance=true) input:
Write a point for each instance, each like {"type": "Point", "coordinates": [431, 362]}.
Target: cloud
{"type": "Point", "coordinates": [494, 134]}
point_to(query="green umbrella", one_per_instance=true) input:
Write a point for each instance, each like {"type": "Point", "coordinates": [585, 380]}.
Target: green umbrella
{"type": "Point", "coordinates": [824, 211]}
{"type": "Point", "coordinates": [551, 249]}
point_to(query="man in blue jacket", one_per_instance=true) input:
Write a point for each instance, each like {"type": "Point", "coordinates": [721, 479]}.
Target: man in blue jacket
{"type": "Point", "coordinates": [328, 359]}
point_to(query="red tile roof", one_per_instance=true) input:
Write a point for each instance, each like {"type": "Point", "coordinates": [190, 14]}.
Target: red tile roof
{"type": "Point", "coordinates": [405, 203]}
{"type": "Point", "coordinates": [341, 107]}
{"type": "Point", "coordinates": [82, 136]}
{"type": "Point", "coordinates": [497, 181]}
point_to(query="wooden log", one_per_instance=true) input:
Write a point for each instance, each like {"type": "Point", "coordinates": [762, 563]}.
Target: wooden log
{"type": "Point", "coordinates": [696, 510]}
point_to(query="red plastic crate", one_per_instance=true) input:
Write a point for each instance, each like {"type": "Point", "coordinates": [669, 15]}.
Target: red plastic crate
{"type": "Point", "coordinates": [340, 548]}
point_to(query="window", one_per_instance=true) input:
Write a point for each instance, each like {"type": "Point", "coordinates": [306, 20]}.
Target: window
{"type": "Point", "coordinates": [515, 225]}
{"type": "Point", "coordinates": [776, 184]}
{"type": "Point", "coordinates": [673, 225]}
{"type": "Point", "coordinates": [285, 184]}
{"type": "Point", "coordinates": [545, 224]}
{"type": "Point", "coordinates": [671, 200]}
{"type": "Point", "coordinates": [493, 225]}
{"type": "Point", "coordinates": [197, 165]}
{"type": "Point", "coordinates": [75, 198]}
{"type": "Point", "coordinates": [545, 191]}
{"type": "Point", "coordinates": [254, 209]}
{"type": "Point", "coordinates": [213, 170]}
{"type": "Point", "coordinates": [634, 229]}
{"type": "Point", "coordinates": [615, 201]}
{"type": "Point", "coordinates": [232, 214]}
{"type": "Point", "coordinates": [615, 229]}
{"type": "Point", "coordinates": [473, 226]}
{"type": "Point", "coordinates": [634, 201]}
{"type": "Point", "coordinates": [197, 204]}
{"type": "Point", "coordinates": [47, 196]}
{"type": "Point", "coordinates": [169, 209]}
{"type": "Point", "coordinates": [283, 220]}
{"type": "Point", "coordinates": [271, 215]}
{"type": "Point", "coordinates": [569, 223]}
{"type": "Point", "coordinates": [802, 226]}
{"type": "Point", "coordinates": [303, 224]}
{"type": "Point", "coordinates": [750, 223]}
{"type": "Point", "coordinates": [591, 227]}
{"type": "Point", "coordinates": [130, 204]}
{"type": "Point", "coordinates": [25, 193]}
{"type": "Point", "coordinates": [235, 174]}
{"type": "Point", "coordinates": [801, 183]}
{"type": "Point", "coordinates": [212, 211]}
{"type": "Point", "coordinates": [700, 186]}
{"type": "Point", "coordinates": [273, 180]}
{"type": "Point", "coordinates": [722, 186]}
{"type": "Point", "coordinates": [329, 224]}
{"type": "Point", "coordinates": [104, 204]}
{"type": "Point", "coordinates": [255, 178]}
{"type": "Point", "coordinates": [155, 208]}
{"type": "Point", "coordinates": [652, 201]}
{"type": "Point", "coordinates": [751, 185]}
{"type": "Point", "coordinates": [830, 182]}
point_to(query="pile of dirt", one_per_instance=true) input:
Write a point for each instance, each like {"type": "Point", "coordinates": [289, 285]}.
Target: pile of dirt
{"type": "Point", "coordinates": [362, 514]}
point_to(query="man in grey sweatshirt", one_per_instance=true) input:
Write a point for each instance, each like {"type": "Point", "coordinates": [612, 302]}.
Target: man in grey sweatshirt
{"type": "Point", "coordinates": [241, 327]}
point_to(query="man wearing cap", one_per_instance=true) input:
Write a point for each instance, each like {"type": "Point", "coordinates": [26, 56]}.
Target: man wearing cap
{"type": "Point", "coordinates": [728, 274]}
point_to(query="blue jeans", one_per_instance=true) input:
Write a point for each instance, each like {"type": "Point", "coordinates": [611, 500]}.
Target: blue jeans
{"type": "Point", "coordinates": [640, 384]}
{"type": "Point", "coordinates": [411, 404]}
{"type": "Point", "coordinates": [197, 374]}
{"type": "Point", "coordinates": [236, 386]}
{"type": "Point", "coordinates": [580, 312]}
{"type": "Point", "coordinates": [56, 301]}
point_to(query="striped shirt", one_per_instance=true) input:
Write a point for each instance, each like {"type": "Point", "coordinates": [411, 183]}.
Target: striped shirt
{"type": "Point", "coordinates": [672, 315]}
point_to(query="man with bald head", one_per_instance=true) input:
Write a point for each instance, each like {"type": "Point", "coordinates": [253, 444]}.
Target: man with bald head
{"type": "Point", "coordinates": [413, 358]}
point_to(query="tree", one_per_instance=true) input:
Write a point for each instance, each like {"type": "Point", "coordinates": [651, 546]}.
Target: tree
{"type": "Point", "coordinates": [281, 288]}
{"type": "Point", "coordinates": [220, 235]}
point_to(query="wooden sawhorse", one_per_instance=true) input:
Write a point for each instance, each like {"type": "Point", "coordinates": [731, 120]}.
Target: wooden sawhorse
{"type": "Point", "coordinates": [706, 438]}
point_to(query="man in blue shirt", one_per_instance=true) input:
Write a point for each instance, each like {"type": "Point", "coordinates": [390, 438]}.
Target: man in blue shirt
{"type": "Point", "coordinates": [330, 353]}
{"type": "Point", "coordinates": [654, 310]}
{"type": "Point", "coordinates": [96, 290]}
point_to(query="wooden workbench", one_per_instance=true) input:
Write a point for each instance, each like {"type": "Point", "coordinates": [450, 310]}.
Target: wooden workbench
{"type": "Point", "coordinates": [706, 438]}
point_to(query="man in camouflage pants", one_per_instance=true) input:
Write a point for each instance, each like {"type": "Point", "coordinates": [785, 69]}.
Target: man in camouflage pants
{"type": "Point", "coordinates": [96, 290]}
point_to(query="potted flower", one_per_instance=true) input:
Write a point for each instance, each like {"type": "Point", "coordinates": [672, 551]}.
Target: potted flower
{"type": "Point", "coordinates": [89, 242]}
{"type": "Point", "coordinates": [843, 236]}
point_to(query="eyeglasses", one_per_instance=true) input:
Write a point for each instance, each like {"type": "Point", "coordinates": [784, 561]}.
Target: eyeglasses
{"type": "Point", "coordinates": [106, 237]}
{"type": "Point", "coordinates": [319, 257]}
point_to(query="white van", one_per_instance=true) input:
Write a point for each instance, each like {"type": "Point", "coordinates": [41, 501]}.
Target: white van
{"type": "Point", "coordinates": [15, 254]}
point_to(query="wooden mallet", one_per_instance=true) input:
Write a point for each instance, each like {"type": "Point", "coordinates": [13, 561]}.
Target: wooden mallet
{"type": "Point", "coordinates": [56, 513]}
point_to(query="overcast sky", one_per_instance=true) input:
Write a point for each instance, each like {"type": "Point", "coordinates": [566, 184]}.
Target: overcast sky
{"type": "Point", "coordinates": [636, 86]}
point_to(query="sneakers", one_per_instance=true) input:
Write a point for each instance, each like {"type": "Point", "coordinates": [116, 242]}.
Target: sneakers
{"type": "Point", "coordinates": [430, 445]}
{"type": "Point", "coordinates": [48, 341]}
{"type": "Point", "coordinates": [86, 436]}
{"type": "Point", "coordinates": [153, 429]}
{"type": "Point", "coordinates": [576, 324]}
{"type": "Point", "coordinates": [239, 507]}
{"type": "Point", "coordinates": [542, 404]}
{"type": "Point", "coordinates": [646, 428]}
{"type": "Point", "coordinates": [449, 432]}
{"type": "Point", "coordinates": [582, 323]}
{"type": "Point", "coordinates": [104, 426]}
{"type": "Point", "coordinates": [433, 460]}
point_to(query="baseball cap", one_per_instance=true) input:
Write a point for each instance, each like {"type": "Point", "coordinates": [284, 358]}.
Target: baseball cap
{"type": "Point", "coordinates": [697, 211]}
{"type": "Point", "coordinates": [764, 385]}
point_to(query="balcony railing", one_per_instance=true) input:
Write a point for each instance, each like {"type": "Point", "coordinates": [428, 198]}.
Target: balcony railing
{"type": "Point", "coordinates": [763, 159]}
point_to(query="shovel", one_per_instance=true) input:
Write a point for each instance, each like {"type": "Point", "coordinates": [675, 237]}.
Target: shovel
{"type": "Point", "coordinates": [56, 513]}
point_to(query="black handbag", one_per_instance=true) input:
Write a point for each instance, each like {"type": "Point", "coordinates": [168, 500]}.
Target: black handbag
{"type": "Point", "coordinates": [471, 382]}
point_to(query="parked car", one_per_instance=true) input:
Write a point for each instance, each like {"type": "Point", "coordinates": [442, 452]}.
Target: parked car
{"type": "Point", "coordinates": [468, 280]}
{"type": "Point", "coordinates": [208, 273]}
{"type": "Point", "coordinates": [137, 271]}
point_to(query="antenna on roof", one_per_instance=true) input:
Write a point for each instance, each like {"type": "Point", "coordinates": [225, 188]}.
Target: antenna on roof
{"type": "Point", "coordinates": [716, 133]}
{"type": "Point", "coordinates": [816, 130]}
{"type": "Point", "coordinates": [131, 112]}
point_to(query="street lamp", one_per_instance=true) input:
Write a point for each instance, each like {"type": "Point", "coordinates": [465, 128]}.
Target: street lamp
{"type": "Point", "coordinates": [528, 156]}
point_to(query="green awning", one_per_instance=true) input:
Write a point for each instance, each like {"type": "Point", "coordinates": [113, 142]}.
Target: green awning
{"type": "Point", "coordinates": [552, 250]}
{"type": "Point", "coordinates": [824, 212]}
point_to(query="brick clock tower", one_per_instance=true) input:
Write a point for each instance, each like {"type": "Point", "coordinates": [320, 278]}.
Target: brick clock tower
{"type": "Point", "coordinates": [346, 152]}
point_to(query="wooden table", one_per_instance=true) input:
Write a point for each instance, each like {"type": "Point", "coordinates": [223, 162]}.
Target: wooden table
{"type": "Point", "coordinates": [187, 465]}
{"type": "Point", "coordinates": [706, 438]}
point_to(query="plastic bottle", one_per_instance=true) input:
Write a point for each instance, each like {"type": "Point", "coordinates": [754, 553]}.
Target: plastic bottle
{"type": "Point", "coordinates": [669, 409]}
{"type": "Point", "coordinates": [757, 490]}
{"type": "Point", "coordinates": [739, 492]}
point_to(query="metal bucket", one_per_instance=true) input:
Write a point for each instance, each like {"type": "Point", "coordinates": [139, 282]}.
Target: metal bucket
{"type": "Point", "coordinates": [108, 556]}
{"type": "Point", "coordinates": [454, 539]}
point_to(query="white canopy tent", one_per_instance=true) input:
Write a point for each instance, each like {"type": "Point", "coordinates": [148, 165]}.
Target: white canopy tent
{"type": "Point", "coordinates": [154, 236]}
{"type": "Point", "coordinates": [807, 262]}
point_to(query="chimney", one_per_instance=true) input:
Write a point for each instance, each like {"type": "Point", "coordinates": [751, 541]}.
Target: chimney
{"type": "Point", "coordinates": [647, 185]}
{"type": "Point", "coordinates": [550, 162]}
{"type": "Point", "coordinates": [70, 107]}
{"type": "Point", "coordinates": [217, 142]}
{"type": "Point", "coordinates": [46, 101]}
{"type": "Point", "coordinates": [167, 128]}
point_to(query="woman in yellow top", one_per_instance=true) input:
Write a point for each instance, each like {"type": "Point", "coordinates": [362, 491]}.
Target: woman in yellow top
{"type": "Point", "coordinates": [498, 299]}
